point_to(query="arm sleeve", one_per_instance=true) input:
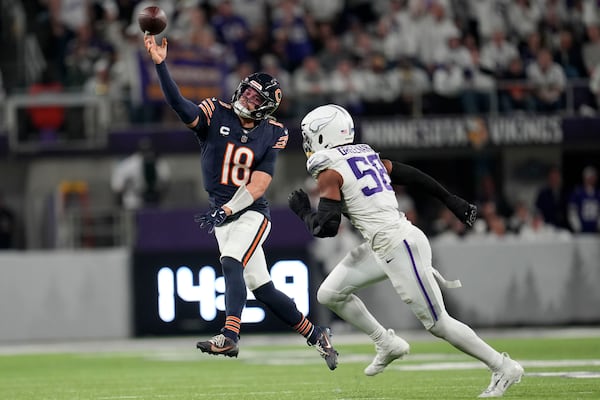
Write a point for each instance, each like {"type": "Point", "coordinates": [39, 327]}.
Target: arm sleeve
{"type": "Point", "coordinates": [185, 109]}
{"type": "Point", "coordinates": [403, 174]}
{"type": "Point", "coordinates": [326, 221]}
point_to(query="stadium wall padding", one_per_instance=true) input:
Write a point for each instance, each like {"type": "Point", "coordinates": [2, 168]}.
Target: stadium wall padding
{"type": "Point", "coordinates": [70, 295]}
{"type": "Point", "coordinates": [60, 295]}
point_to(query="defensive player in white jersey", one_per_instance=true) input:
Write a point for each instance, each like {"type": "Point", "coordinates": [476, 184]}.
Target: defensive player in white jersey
{"type": "Point", "coordinates": [354, 181]}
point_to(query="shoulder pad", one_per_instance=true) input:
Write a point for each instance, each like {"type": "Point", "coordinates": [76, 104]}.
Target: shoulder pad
{"type": "Point", "coordinates": [208, 108]}
{"type": "Point", "coordinates": [275, 122]}
{"type": "Point", "coordinates": [226, 105]}
{"type": "Point", "coordinates": [317, 163]}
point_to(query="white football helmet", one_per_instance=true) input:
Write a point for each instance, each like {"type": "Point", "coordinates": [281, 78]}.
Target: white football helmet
{"type": "Point", "coordinates": [326, 127]}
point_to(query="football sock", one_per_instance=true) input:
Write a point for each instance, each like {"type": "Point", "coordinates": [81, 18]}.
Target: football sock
{"type": "Point", "coordinates": [379, 335]}
{"type": "Point", "coordinates": [466, 340]}
{"type": "Point", "coordinates": [284, 308]}
{"type": "Point", "coordinates": [235, 296]}
{"type": "Point", "coordinates": [307, 329]}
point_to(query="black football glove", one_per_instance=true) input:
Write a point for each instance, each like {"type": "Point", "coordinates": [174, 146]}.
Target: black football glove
{"type": "Point", "coordinates": [464, 211]}
{"type": "Point", "coordinates": [299, 202]}
{"type": "Point", "coordinates": [215, 217]}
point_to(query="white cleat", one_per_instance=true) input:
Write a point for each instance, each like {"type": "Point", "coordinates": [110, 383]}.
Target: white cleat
{"type": "Point", "coordinates": [509, 373]}
{"type": "Point", "coordinates": [394, 348]}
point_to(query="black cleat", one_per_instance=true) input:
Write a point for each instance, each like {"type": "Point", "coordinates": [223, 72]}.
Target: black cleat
{"type": "Point", "coordinates": [219, 344]}
{"type": "Point", "coordinates": [325, 348]}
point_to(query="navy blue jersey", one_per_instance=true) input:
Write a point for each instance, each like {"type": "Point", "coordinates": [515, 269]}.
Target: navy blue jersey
{"type": "Point", "coordinates": [231, 153]}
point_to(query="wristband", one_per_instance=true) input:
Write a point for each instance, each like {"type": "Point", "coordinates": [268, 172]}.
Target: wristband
{"type": "Point", "coordinates": [240, 200]}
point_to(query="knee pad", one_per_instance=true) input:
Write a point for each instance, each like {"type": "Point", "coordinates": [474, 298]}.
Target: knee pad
{"type": "Point", "coordinates": [327, 296]}
{"type": "Point", "coordinates": [441, 326]}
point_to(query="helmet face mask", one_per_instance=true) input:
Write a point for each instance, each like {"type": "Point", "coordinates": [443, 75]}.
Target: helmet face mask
{"type": "Point", "coordinates": [326, 127]}
{"type": "Point", "coordinates": [268, 89]}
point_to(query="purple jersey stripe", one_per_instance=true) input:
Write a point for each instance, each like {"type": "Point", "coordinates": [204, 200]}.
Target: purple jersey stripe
{"type": "Point", "coordinates": [412, 259]}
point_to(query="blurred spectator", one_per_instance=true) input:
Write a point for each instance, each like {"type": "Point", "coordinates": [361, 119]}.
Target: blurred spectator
{"type": "Point", "coordinates": [381, 87]}
{"type": "Point", "coordinates": [447, 83]}
{"type": "Point", "coordinates": [537, 228]}
{"type": "Point", "coordinates": [488, 194]}
{"type": "Point", "coordinates": [584, 204]}
{"type": "Point", "coordinates": [590, 50]}
{"type": "Point", "coordinates": [414, 85]}
{"type": "Point", "coordinates": [291, 32]}
{"type": "Point", "coordinates": [523, 17]}
{"type": "Point", "coordinates": [557, 10]}
{"type": "Point", "coordinates": [453, 51]}
{"type": "Point", "coordinates": [488, 18]}
{"type": "Point", "coordinates": [186, 23]}
{"type": "Point", "coordinates": [232, 30]}
{"type": "Point", "coordinates": [497, 226]}
{"type": "Point", "coordinates": [311, 85]}
{"type": "Point", "coordinates": [331, 53]}
{"type": "Point", "coordinates": [590, 12]}
{"type": "Point", "coordinates": [551, 200]}
{"type": "Point", "coordinates": [104, 85]}
{"type": "Point", "coordinates": [514, 93]}
{"type": "Point", "coordinates": [82, 53]}
{"type": "Point", "coordinates": [530, 48]}
{"type": "Point", "coordinates": [568, 55]}
{"type": "Point", "coordinates": [548, 82]}
{"type": "Point", "coordinates": [141, 179]}
{"type": "Point", "coordinates": [432, 41]}
{"type": "Point", "coordinates": [574, 18]}
{"type": "Point", "coordinates": [405, 22]}
{"type": "Point", "coordinates": [520, 218]}
{"type": "Point", "coordinates": [496, 53]}
{"type": "Point", "coordinates": [8, 225]}
{"type": "Point", "coordinates": [478, 88]}
{"type": "Point", "coordinates": [347, 86]}
{"type": "Point", "coordinates": [365, 47]}
{"type": "Point", "coordinates": [255, 12]}
{"type": "Point", "coordinates": [323, 11]}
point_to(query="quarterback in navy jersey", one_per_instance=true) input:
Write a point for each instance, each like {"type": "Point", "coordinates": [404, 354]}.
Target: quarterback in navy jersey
{"type": "Point", "coordinates": [239, 143]}
{"type": "Point", "coordinates": [223, 140]}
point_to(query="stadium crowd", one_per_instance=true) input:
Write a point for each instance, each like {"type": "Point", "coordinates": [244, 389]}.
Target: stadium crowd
{"type": "Point", "coordinates": [375, 57]}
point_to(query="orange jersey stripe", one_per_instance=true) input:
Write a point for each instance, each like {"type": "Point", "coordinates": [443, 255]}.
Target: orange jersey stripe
{"type": "Point", "coordinates": [210, 107]}
{"type": "Point", "coordinates": [205, 111]}
{"type": "Point", "coordinates": [273, 122]}
{"type": "Point", "coordinates": [211, 104]}
{"type": "Point", "coordinates": [255, 242]}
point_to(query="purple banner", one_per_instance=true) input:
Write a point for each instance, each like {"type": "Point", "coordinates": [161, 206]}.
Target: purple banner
{"type": "Point", "coordinates": [167, 230]}
{"type": "Point", "coordinates": [197, 75]}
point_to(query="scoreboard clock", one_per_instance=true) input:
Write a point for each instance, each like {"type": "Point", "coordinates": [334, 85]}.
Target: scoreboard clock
{"type": "Point", "coordinates": [184, 293]}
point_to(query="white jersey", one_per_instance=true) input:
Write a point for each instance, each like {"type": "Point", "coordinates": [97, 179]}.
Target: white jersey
{"type": "Point", "coordinates": [368, 198]}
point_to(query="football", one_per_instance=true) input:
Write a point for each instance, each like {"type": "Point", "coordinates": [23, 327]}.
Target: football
{"type": "Point", "coordinates": [152, 20]}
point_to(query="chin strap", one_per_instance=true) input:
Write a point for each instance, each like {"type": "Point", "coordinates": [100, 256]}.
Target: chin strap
{"type": "Point", "coordinates": [241, 110]}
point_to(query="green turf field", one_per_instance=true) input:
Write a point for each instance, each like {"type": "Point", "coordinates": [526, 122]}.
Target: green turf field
{"type": "Point", "coordinates": [567, 368]}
